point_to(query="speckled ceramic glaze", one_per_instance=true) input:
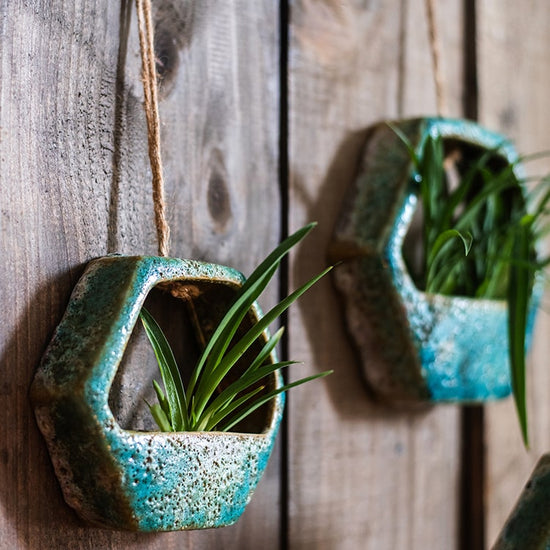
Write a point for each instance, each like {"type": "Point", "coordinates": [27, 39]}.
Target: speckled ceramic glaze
{"type": "Point", "coordinates": [528, 526]}
{"type": "Point", "coordinates": [413, 345]}
{"type": "Point", "coordinates": [147, 481]}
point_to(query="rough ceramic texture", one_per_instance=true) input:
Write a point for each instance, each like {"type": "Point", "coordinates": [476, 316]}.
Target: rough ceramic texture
{"type": "Point", "coordinates": [148, 481]}
{"type": "Point", "coordinates": [413, 345]}
{"type": "Point", "coordinates": [529, 523]}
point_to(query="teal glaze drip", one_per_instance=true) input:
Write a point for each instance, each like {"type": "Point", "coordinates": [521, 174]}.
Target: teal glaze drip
{"type": "Point", "coordinates": [147, 481]}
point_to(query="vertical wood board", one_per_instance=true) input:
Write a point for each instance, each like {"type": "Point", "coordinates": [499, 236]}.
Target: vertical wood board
{"type": "Point", "coordinates": [76, 185]}
{"type": "Point", "coordinates": [514, 76]}
{"type": "Point", "coordinates": [360, 475]}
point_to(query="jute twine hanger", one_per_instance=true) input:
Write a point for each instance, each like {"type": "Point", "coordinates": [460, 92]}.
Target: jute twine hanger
{"type": "Point", "coordinates": [150, 91]}
{"type": "Point", "coordinates": [435, 50]}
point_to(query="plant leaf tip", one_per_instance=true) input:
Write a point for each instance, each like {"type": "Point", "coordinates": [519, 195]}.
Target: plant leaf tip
{"type": "Point", "coordinates": [197, 407]}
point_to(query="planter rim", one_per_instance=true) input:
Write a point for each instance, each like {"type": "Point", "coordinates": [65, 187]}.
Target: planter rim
{"type": "Point", "coordinates": [203, 272]}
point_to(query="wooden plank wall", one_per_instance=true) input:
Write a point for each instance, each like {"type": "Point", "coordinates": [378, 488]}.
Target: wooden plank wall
{"type": "Point", "coordinates": [514, 74]}
{"type": "Point", "coordinates": [76, 184]}
{"type": "Point", "coordinates": [361, 476]}
{"type": "Point", "coordinates": [347, 474]}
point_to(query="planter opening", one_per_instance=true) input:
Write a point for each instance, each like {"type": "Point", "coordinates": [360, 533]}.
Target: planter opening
{"type": "Point", "coordinates": [477, 192]}
{"type": "Point", "coordinates": [187, 313]}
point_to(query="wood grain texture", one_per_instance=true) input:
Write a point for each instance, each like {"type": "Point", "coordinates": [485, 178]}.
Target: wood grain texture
{"type": "Point", "coordinates": [360, 475]}
{"type": "Point", "coordinates": [514, 78]}
{"type": "Point", "coordinates": [76, 184]}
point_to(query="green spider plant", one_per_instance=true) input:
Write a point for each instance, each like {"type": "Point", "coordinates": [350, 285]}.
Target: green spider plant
{"type": "Point", "coordinates": [479, 236]}
{"type": "Point", "coordinates": [201, 406]}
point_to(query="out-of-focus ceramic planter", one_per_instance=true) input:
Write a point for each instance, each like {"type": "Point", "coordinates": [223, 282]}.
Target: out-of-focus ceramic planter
{"type": "Point", "coordinates": [146, 481]}
{"type": "Point", "coordinates": [528, 526]}
{"type": "Point", "coordinates": [413, 345]}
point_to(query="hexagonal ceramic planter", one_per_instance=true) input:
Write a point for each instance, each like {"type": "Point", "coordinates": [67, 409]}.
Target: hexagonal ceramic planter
{"type": "Point", "coordinates": [528, 525]}
{"type": "Point", "coordinates": [413, 345]}
{"type": "Point", "coordinates": [147, 481]}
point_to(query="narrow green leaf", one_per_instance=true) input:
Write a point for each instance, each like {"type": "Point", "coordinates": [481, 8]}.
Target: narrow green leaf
{"type": "Point", "coordinates": [445, 238]}
{"type": "Point", "coordinates": [160, 418]}
{"type": "Point", "coordinates": [209, 385]}
{"type": "Point", "coordinates": [412, 153]}
{"type": "Point", "coordinates": [241, 384]}
{"type": "Point", "coordinates": [279, 252]}
{"type": "Point", "coordinates": [171, 378]}
{"type": "Point", "coordinates": [227, 327]}
{"type": "Point", "coordinates": [433, 176]}
{"type": "Point", "coordinates": [264, 399]}
{"type": "Point", "coordinates": [459, 195]}
{"type": "Point", "coordinates": [498, 185]}
{"type": "Point", "coordinates": [215, 418]}
{"type": "Point", "coordinates": [518, 300]}
{"type": "Point", "coordinates": [250, 290]}
{"type": "Point", "coordinates": [163, 402]}
{"type": "Point", "coordinates": [265, 352]}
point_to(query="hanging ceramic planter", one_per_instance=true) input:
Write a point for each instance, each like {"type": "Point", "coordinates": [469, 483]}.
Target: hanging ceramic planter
{"type": "Point", "coordinates": [414, 345]}
{"type": "Point", "coordinates": [189, 476]}
{"type": "Point", "coordinates": [147, 481]}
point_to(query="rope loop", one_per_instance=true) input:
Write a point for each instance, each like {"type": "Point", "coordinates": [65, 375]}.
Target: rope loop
{"type": "Point", "coordinates": [150, 91]}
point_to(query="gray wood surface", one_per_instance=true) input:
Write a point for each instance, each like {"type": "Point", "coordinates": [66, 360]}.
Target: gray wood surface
{"type": "Point", "coordinates": [514, 76]}
{"type": "Point", "coordinates": [361, 475]}
{"type": "Point", "coordinates": [76, 184]}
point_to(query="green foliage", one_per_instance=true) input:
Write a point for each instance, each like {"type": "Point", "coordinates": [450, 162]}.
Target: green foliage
{"type": "Point", "coordinates": [478, 239]}
{"type": "Point", "coordinates": [199, 407]}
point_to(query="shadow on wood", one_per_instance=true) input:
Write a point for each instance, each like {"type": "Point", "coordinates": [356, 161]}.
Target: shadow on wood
{"type": "Point", "coordinates": [325, 209]}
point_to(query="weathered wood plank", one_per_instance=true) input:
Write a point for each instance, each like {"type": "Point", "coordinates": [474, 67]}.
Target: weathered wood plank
{"type": "Point", "coordinates": [514, 77]}
{"type": "Point", "coordinates": [220, 133]}
{"type": "Point", "coordinates": [75, 185]}
{"type": "Point", "coordinates": [360, 475]}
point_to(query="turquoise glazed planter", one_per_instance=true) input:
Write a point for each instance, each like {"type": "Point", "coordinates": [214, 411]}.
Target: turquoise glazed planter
{"type": "Point", "coordinates": [529, 524]}
{"type": "Point", "coordinates": [145, 481]}
{"type": "Point", "coordinates": [414, 346]}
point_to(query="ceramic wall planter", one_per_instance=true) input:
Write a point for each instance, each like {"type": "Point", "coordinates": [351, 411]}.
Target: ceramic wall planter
{"type": "Point", "coordinates": [413, 345]}
{"type": "Point", "coordinates": [147, 481]}
{"type": "Point", "coordinates": [529, 524]}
